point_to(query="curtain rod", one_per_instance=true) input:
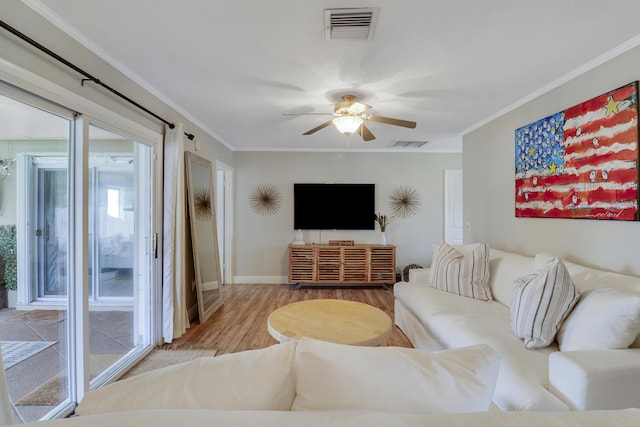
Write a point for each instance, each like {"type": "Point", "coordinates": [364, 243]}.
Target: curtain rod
{"type": "Point", "coordinates": [88, 77]}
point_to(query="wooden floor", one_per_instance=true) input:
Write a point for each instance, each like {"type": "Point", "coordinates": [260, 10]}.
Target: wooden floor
{"type": "Point", "coordinates": [241, 323]}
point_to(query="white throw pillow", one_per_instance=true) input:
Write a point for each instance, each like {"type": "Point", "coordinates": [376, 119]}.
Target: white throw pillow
{"type": "Point", "coordinates": [604, 318]}
{"type": "Point", "coordinates": [393, 379]}
{"type": "Point", "coordinates": [462, 274]}
{"type": "Point", "coordinates": [541, 301]}
{"type": "Point", "coordinates": [435, 248]}
{"type": "Point", "coordinates": [250, 380]}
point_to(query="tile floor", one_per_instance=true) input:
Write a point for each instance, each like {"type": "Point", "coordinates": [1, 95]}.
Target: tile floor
{"type": "Point", "coordinates": [110, 335]}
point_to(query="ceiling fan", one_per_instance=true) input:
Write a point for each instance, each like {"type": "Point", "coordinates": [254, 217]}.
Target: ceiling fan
{"type": "Point", "coordinates": [350, 118]}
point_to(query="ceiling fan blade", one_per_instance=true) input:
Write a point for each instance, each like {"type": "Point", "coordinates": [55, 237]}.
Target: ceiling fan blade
{"type": "Point", "coordinates": [365, 133]}
{"type": "Point", "coordinates": [307, 114]}
{"type": "Point", "coordinates": [317, 128]}
{"type": "Point", "coordinates": [390, 121]}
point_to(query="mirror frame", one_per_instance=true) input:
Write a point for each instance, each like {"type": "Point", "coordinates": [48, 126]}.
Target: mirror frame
{"type": "Point", "coordinates": [205, 308]}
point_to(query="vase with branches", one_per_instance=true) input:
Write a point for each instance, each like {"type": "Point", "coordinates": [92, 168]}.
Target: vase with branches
{"type": "Point", "coordinates": [383, 221]}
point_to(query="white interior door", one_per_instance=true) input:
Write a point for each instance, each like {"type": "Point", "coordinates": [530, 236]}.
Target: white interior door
{"type": "Point", "coordinates": [224, 217]}
{"type": "Point", "coordinates": [453, 227]}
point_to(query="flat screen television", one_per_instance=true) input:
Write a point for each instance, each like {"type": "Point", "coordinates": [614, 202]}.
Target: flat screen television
{"type": "Point", "coordinates": [334, 206]}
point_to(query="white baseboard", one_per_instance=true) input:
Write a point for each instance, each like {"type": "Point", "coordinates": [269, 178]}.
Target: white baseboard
{"type": "Point", "coordinates": [274, 280]}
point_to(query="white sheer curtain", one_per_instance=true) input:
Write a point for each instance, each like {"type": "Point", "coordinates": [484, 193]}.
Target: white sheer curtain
{"type": "Point", "coordinates": [175, 319]}
{"type": "Point", "coordinates": [6, 417]}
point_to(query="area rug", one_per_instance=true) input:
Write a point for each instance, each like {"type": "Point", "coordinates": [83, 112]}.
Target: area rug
{"type": "Point", "coordinates": [160, 358]}
{"type": "Point", "coordinates": [14, 352]}
{"type": "Point", "coordinates": [53, 391]}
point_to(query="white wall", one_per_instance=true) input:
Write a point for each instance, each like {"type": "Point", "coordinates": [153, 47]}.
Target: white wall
{"type": "Point", "coordinates": [18, 52]}
{"type": "Point", "coordinates": [261, 241]}
{"type": "Point", "coordinates": [489, 170]}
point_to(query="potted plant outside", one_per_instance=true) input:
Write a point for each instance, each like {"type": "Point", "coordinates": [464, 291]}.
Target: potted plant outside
{"type": "Point", "coordinates": [8, 262]}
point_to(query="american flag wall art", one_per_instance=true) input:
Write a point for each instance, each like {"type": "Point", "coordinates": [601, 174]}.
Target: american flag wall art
{"type": "Point", "coordinates": [581, 162]}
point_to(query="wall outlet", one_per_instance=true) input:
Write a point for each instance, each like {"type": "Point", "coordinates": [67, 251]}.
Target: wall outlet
{"type": "Point", "coordinates": [468, 226]}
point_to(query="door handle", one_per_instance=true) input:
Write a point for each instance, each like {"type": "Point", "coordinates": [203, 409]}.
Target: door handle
{"type": "Point", "coordinates": [155, 245]}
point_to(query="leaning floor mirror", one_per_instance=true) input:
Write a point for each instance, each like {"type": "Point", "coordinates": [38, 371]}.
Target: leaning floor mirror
{"type": "Point", "coordinates": [202, 219]}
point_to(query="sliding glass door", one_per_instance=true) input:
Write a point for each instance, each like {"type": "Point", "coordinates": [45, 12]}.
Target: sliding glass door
{"type": "Point", "coordinates": [81, 197]}
{"type": "Point", "coordinates": [35, 340]}
{"type": "Point", "coordinates": [52, 231]}
{"type": "Point", "coordinates": [120, 247]}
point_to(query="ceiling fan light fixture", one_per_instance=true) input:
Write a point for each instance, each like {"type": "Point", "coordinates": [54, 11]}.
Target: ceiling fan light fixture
{"type": "Point", "coordinates": [347, 124]}
{"type": "Point", "coordinates": [359, 108]}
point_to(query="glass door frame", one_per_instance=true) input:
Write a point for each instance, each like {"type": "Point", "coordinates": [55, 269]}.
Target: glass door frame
{"type": "Point", "coordinates": [31, 167]}
{"type": "Point", "coordinates": [27, 87]}
{"type": "Point", "coordinates": [81, 204]}
{"type": "Point", "coordinates": [27, 224]}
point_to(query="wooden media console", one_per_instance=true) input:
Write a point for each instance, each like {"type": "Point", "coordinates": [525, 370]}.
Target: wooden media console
{"type": "Point", "coordinates": [349, 265]}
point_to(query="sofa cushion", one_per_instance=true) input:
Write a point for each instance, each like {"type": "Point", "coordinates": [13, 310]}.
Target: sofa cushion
{"type": "Point", "coordinates": [586, 278]}
{"type": "Point", "coordinates": [523, 377]}
{"type": "Point", "coordinates": [251, 380]}
{"type": "Point", "coordinates": [541, 301]}
{"type": "Point", "coordinates": [504, 267]}
{"type": "Point", "coordinates": [425, 301]}
{"type": "Point", "coordinates": [603, 319]}
{"type": "Point", "coordinates": [422, 275]}
{"type": "Point", "coordinates": [596, 379]}
{"type": "Point", "coordinates": [455, 322]}
{"type": "Point", "coordinates": [393, 379]}
{"type": "Point", "coordinates": [466, 275]}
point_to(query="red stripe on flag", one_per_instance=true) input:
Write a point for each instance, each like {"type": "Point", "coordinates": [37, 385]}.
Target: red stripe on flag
{"type": "Point", "coordinates": [628, 136]}
{"type": "Point", "coordinates": [596, 126]}
{"type": "Point", "coordinates": [598, 159]}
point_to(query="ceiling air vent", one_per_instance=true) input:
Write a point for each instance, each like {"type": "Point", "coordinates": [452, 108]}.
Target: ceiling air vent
{"type": "Point", "coordinates": [350, 24]}
{"type": "Point", "coordinates": [409, 144]}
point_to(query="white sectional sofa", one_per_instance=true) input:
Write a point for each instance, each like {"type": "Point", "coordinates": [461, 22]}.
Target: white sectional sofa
{"type": "Point", "coordinates": [543, 379]}
{"type": "Point", "coordinates": [261, 418]}
{"type": "Point", "coordinates": [313, 383]}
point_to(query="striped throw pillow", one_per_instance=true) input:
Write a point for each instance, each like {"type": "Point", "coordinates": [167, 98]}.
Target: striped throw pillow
{"type": "Point", "coordinates": [466, 275]}
{"type": "Point", "coordinates": [540, 303]}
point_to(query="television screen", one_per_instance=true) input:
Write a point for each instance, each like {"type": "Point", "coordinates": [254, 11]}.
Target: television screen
{"type": "Point", "coordinates": [334, 206]}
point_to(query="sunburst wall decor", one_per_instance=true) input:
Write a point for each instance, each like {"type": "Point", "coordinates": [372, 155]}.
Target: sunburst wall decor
{"type": "Point", "coordinates": [265, 199]}
{"type": "Point", "coordinates": [202, 204]}
{"type": "Point", "coordinates": [405, 201]}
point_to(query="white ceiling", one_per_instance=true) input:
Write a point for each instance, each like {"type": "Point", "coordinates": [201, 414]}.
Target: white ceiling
{"type": "Point", "coordinates": [234, 67]}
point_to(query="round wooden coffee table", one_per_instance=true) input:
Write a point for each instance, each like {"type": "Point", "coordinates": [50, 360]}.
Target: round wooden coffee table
{"type": "Point", "coordinates": [338, 321]}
